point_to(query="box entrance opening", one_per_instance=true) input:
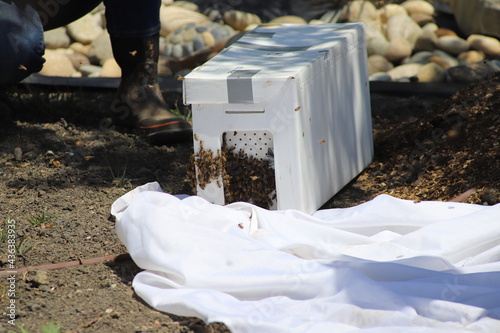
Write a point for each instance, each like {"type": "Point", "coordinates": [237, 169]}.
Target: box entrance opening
{"type": "Point", "coordinates": [249, 168]}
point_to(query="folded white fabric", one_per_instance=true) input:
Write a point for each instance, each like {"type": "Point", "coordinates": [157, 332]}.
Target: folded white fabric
{"type": "Point", "coordinates": [388, 265]}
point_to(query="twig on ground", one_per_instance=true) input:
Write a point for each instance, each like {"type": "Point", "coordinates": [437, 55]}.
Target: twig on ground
{"type": "Point", "coordinates": [462, 197]}
{"type": "Point", "coordinates": [60, 265]}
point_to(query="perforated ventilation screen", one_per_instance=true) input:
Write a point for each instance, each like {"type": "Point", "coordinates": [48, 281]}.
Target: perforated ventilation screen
{"type": "Point", "coordinates": [258, 144]}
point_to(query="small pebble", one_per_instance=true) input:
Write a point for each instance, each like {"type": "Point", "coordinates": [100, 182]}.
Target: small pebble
{"type": "Point", "coordinates": [208, 38]}
{"type": "Point", "coordinates": [175, 38]}
{"type": "Point", "coordinates": [420, 58]}
{"type": "Point", "coordinates": [418, 6]}
{"type": "Point", "coordinates": [426, 41]}
{"type": "Point", "coordinates": [34, 307]}
{"type": "Point", "coordinates": [362, 11]}
{"type": "Point", "coordinates": [87, 70]}
{"type": "Point", "coordinates": [491, 196]}
{"type": "Point", "coordinates": [443, 59]}
{"type": "Point", "coordinates": [402, 26]}
{"type": "Point", "coordinates": [18, 154]}
{"type": "Point", "coordinates": [390, 10]}
{"type": "Point", "coordinates": [472, 72]}
{"type": "Point", "coordinates": [378, 63]}
{"type": "Point", "coordinates": [445, 32]}
{"type": "Point", "coordinates": [198, 43]}
{"type": "Point", "coordinates": [187, 49]}
{"type": "Point", "coordinates": [422, 19]}
{"type": "Point", "coordinates": [111, 69]}
{"type": "Point", "coordinates": [453, 45]}
{"type": "Point", "coordinates": [380, 76]}
{"type": "Point", "coordinates": [57, 64]}
{"type": "Point", "coordinates": [288, 19]}
{"type": "Point", "coordinates": [378, 44]}
{"type": "Point", "coordinates": [398, 49]}
{"type": "Point", "coordinates": [405, 71]}
{"type": "Point", "coordinates": [471, 56]}
{"type": "Point", "coordinates": [189, 33]}
{"type": "Point", "coordinates": [488, 45]}
{"type": "Point", "coordinates": [177, 51]}
{"type": "Point", "coordinates": [38, 277]}
{"type": "Point", "coordinates": [431, 72]}
{"type": "Point", "coordinates": [201, 28]}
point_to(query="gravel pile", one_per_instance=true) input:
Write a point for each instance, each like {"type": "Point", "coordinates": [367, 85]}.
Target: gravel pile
{"type": "Point", "coordinates": [405, 41]}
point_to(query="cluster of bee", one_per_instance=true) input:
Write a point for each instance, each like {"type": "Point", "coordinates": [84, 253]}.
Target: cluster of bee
{"type": "Point", "coordinates": [209, 166]}
{"type": "Point", "coordinates": [244, 177]}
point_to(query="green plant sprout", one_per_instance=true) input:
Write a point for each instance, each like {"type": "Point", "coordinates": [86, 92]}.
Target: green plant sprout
{"type": "Point", "coordinates": [50, 328]}
{"type": "Point", "coordinates": [24, 246]}
{"type": "Point", "coordinates": [38, 220]}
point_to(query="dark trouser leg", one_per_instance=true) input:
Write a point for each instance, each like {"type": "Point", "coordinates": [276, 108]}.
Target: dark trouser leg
{"type": "Point", "coordinates": [21, 32]}
{"type": "Point", "coordinates": [134, 28]}
{"type": "Point", "coordinates": [21, 42]}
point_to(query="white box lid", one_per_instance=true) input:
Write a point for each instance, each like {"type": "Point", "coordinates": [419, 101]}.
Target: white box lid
{"type": "Point", "coordinates": [257, 66]}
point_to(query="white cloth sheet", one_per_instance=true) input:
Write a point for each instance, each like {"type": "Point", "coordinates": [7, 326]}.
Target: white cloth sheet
{"type": "Point", "coordinates": [388, 265]}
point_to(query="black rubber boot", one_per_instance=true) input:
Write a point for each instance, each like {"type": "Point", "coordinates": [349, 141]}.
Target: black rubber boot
{"type": "Point", "coordinates": [139, 104]}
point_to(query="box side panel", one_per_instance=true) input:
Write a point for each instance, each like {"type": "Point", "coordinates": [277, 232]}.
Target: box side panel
{"type": "Point", "coordinates": [336, 119]}
{"type": "Point", "coordinates": [284, 123]}
{"type": "Point", "coordinates": [362, 107]}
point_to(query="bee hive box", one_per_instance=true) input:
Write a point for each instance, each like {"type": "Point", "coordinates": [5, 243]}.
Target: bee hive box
{"type": "Point", "coordinates": [282, 114]}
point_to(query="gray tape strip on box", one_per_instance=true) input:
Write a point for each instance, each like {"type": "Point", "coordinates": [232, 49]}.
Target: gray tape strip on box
{"type": "Point", "coordinates": [260, 34]}
{"type": "Point", "coordinates": [239, 86]}
{"type": "Point", "coordinates": [271, 48]}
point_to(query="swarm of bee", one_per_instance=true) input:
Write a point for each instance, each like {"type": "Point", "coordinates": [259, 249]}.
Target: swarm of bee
{"type": "Point", "coordinates": [209, 166]}
{"type": "Point", "coordinates": [244, 177]}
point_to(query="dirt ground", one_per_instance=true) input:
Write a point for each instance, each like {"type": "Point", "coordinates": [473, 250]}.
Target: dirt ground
{"type": "Point", "coordinates": [60, 171]}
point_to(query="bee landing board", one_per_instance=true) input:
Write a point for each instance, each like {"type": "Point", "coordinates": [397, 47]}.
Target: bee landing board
{"type": "Point", "coordinates": [296, 96]}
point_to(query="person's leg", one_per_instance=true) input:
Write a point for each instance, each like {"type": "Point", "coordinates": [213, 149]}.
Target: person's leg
{"type": "Point", "coordinates": [21, 42]}
{"type": "Point", "coordinates": [22, 23]}
{"type": "Point", "coordinates": [134, 29]}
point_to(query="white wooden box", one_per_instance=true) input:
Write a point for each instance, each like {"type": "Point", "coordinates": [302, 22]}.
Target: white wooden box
{"type": "Point", "coordinates": [304, 90]}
